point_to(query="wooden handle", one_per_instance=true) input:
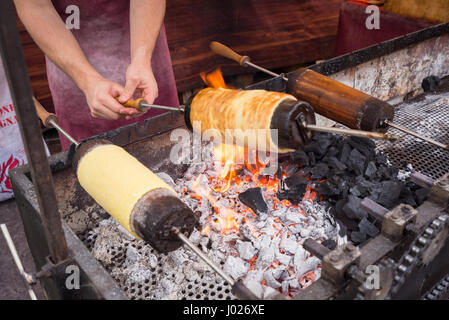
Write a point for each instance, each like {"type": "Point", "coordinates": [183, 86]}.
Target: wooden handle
{"type": "Point", "coordinates": [227, 52]}
{"type": "Point", "coordinates": [131, 103]}
{"type": "Point", "coordinates": [44, 115]}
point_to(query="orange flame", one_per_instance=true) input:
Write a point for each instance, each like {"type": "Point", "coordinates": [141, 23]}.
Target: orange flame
{"type": "Point", "coordinates": [214, 79]}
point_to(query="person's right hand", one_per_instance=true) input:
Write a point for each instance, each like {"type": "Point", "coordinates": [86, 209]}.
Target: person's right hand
{"type": "Point", "coordinates": [100, 94]}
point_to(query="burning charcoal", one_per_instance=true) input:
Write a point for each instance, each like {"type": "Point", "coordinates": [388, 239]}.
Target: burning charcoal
{"type": "Point", "coordinates": [295, 228]}
{"type": "Point", "coordinates": [421, 195]}
{"type": "Point", "coordinates": [300, 157]}
{"type": "Point", "coordinates": [235, 267]}
{"type": "Point", "coordinates": [356, 162]}
{"type": "Point", "coordinates": [262, 242]}
{"type": "Point", "coordinates": [352, 208]}
{"type": "Point", "coordinates": [254, 275]}
{"type": "Point", "coordinates": [320, 171]}
{"type": "Point", "coordinates": [333, 162]}
{"type": "Point", "coordinates": [293, 188]}
{"type": "Point", "coordinates": [371, 170]}
{"type": "Point", "coordinates": [367, 227]}
{"type": "Point", "coordinates": [330, 244]}
{"type": "Point", "coordinates": [300, 256]}
{"type": "Point", "coordinates": [271, 281]}
{"type": "Point", "coordinates": [246, 250]}
{"type": "Point", "coordinates": [295, 180]}
{"type": "Point", "coordinates": [253, 198]}
{"type": "Point", "coordinates": [294, 217]}
{"type": "Point", "coordinates": [305, 232]}
{"type": "Point", "coordinates": [266, 257]}
{"type": "Point", "coordinates": [285, 287]}
{"type": "Point", "coordinates": [387, 193]}
{"type": "Point", "coordinates": [358, 237]}
{"type": "Point", "coordinates": [291, 169]}
{"type": "Point", "coordinates": [294, 283]}
{"type": "Point", "coordinates": [283, 258]}
{"type": "Point", "coordinates": [288, 245]}
{"type": "Point", "coordinates": [279, 272]}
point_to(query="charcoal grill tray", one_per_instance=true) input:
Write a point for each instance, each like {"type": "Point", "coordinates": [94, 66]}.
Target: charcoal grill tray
{"type": "Point", "coordinates": [427, 114]}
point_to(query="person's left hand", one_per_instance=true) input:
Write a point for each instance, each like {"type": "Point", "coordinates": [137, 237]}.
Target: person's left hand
{"type": "Point", "coordinates": [140, 80]}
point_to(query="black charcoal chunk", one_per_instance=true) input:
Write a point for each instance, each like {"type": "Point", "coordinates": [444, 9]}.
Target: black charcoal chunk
{"type": "Point", "coordinates": [327, 188]}
{"type": "Point", "coordinates": [345, 152]}
{"type": "Point", "coordinates": [371, 169]}
{"type": "Point", "coordinates": [386, 193]}
{"type": "Point", "coordinates": [320, 171]}
{"type": "Point", "coordinates": [365, 146]}
{"type": "Point", "coordinates": [332, 152]}
{"type": "Point", "coordinates": [330, 244]}
{"type": "Point", "coordinates": [300, 157]}
{"type": "Point", "coordinates": [367, 227]}
{"type": "Point", "coordinates": [333, 162]}
{"type": "Point", "coordinates": [312, 159]}
{"type": "Point", "coordinates": [341, 216]}
{"type": "Point", "coordinates": [343, 229]}
{"type": "Point", "coordinates": [352, 208]}
{"type": "Point", "coordinates": [358, 237]}
{"type": "Point", "coordinates": [356, 162]}
{"type": "Point", "coordinates": [253, 198]}
{"type": "Point", "coordinates": [293, 188]}
{"type": "Point", "coordinates": [421, 195]}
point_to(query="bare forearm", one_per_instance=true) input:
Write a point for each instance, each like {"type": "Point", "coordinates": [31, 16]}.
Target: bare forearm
{"type": "Point", "coordinates": [146, 17]}
{"type": "Point", "coordinates": [50, 33]}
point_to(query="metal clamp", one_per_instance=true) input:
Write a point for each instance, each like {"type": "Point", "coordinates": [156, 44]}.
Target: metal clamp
{"type": "Point", "coordinates": [337, 262]}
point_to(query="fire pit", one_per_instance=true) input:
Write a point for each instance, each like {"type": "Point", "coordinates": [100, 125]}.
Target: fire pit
{"type": "Point", "coordinates": [251, 223]}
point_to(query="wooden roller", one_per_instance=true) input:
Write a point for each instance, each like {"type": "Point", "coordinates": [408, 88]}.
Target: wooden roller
{"type": "Point", "coordinates": [339, 102]}
{"type": "Point", "coordinates": [328, 97]}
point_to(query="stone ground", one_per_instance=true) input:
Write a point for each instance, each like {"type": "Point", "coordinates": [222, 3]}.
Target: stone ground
{"type": "Point", "coordinates": [12, 286]}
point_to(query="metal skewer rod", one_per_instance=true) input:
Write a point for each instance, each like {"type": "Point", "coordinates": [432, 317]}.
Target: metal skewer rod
{"type": "Point", "coordinates": [255, 66]}
{"type": "Point", "coordinates": [429, 140]}
{"type": "Point", "coordinates": [351, 132]}
{"type": "Point", "coordinates": [63, 132]}
{"type": "Point", "coordinates": [203, 256]}
{"type": "Point", "coordinates": [155, 106]}
{"type": "Point", "coordinates": [244, 61]}
{"type": "Point", "coordinates": [12, 248]}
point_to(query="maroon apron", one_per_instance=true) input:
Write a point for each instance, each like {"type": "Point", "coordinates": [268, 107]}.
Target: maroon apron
{"type": "Point", "coordinates": [104, 36]}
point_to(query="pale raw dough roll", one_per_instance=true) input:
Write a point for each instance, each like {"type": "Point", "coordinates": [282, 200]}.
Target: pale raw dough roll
{"type": "Point", "coordinates": [117, 181]}
{"type": "Point", "coordinates": [221, 109]}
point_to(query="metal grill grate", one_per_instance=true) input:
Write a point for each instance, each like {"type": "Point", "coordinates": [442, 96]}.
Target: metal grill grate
{"type": "Point", "coordinates": [429, 116]}
{"type": "Point", "coordinates": [200, 289]}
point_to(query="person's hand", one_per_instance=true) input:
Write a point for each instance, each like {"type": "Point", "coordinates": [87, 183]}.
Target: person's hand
{"type": "Point", "coordinates": [101, 97]}
{"type": "Point", "coordinates": [140, 81]}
